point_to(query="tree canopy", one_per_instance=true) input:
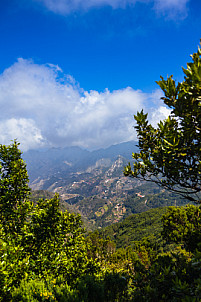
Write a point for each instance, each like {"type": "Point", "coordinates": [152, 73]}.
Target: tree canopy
{"type": "Point", "coordinates": [170, 154]}
{"type": "Point", "coordinates": [44, 255]}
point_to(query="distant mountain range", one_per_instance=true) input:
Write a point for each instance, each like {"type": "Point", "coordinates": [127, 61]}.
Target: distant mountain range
{"type": "Point", "coordinates": [92, 183]}
{"type": "Point", "coordinates": [45, 163]}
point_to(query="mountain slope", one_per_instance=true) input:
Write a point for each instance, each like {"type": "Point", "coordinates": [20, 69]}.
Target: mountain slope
{"type": "Point", "coordinates": [93, 183]}
{"type": "Point", "coordinates": [42, 164]}
{"type": "Point", "coordinates": [135, 228]}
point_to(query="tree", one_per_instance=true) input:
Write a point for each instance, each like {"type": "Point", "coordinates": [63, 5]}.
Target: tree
{"type": "Point", "coordinates": [14, 189]}
{"type": "Point", "coordinates": [14, 210]}
{"type": "Point", "coordinates": [183, 225]}
{"type": "Point", "coordinates": [56, 242]}
{"type": "Point", "coordinates": [170, 155]}
{"type": "Point", "coordinates": [35, 241]}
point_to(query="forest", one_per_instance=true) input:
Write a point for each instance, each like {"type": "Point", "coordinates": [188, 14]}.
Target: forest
{"type": "Point", "coordinates": [46, 254]}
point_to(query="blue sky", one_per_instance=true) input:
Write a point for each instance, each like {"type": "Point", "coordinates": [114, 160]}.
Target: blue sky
{"type": "Point", "coordinates": [74, 72]}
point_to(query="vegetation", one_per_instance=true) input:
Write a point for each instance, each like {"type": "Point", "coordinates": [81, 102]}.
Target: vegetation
{"type": "Point", "coordinates": [101, 212]}
{"type": "Point", "coordinates": [170, 154]}
{"type": "Point", "coordinates": [45, 255]}
{"type": "Point", "coordinates": [36, 195]}
{"type": "Point", "coordinates": [137, 227]}
{"type": "Point", "coordinates": [40, 194]}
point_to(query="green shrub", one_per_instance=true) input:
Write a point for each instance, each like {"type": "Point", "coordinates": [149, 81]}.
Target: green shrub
{"type": "Point", "coordinates": [32, 291]}
{"type": "Point", "coordinates": [40, 290]}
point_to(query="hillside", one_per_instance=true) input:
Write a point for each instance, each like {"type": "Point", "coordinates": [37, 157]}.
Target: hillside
{"type": "Point", "coordinates": [51, 164]}
{"type": "Point", "coordinates": [136, 227]}
{"type": "Point", "coordinates": [103, 212]}
{"type": "Point", "coordinates": [44, 194]}
{"type": "Point", "coordinates": [93, 184]}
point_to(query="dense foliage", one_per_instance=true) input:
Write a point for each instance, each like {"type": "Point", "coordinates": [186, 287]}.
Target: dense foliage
{"type": "Point", "coordinates": [45, 255]}
{"type": "Point", "coordinates": [35, 241]}
{"type": "Point", "coordinates": [170, 154]}
{"type": "Point", "coordinates": [137, 227]}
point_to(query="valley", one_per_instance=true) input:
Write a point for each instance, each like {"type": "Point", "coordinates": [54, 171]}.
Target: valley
{"type": "Point", "coordinates": [93, 183]}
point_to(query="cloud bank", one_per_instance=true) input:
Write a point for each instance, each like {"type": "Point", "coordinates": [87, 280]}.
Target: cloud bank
{"type": "Point", "coordinates": [170, 7]}
{"type": "Point", "coordinates": [42, 107]}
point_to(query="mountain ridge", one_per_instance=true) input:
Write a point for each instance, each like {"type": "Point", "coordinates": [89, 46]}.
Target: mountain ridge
{"type": "Point", "coordinates": [52, 160]}
{"type": "Point", "coordinates": [92, 183]}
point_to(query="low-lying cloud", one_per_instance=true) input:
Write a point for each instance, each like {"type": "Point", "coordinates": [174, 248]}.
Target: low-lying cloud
{"type": "Point", "coordinates": [170, 7]}
{"type": "Point", "coordinates": [41, 107]}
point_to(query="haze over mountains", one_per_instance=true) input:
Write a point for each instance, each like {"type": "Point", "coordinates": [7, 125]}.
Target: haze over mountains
{"type": "Point", "coordinates": [43, 163]}
{"type": "Point", "coordinates": [92, 183]}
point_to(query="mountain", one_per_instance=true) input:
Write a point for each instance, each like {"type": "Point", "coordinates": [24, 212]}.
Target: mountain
{"type": "Point", "coordinates": [92, 183]}
{"type": "Point", "coordinates": [45, 163]}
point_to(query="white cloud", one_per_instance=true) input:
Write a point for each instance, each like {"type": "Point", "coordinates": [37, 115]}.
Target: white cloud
{"type": "Point", "coordinates": [41, 106]}
{"type": "Point", "coordinates": [171, 7]}
{"type": "Point", "coordinates": [24, 130]}
{"type": "Point", "coordinates": [158, 114]}
{"type": "Point", "coordinates": [169, 4]}
{"type": "Point", "coordinates": [66, 6]}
